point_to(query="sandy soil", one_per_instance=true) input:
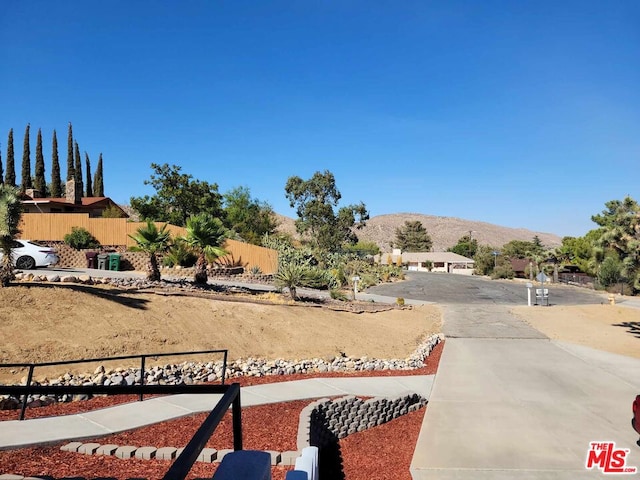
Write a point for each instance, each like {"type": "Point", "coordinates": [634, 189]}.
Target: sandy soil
{"type": "Point", "coordinates": [53, 323]}
{"type": "Point", "coordinates": [604, 327]}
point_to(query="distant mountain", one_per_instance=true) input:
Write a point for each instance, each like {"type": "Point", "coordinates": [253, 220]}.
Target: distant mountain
{"type": "Point", "coordinates": [444, 231]}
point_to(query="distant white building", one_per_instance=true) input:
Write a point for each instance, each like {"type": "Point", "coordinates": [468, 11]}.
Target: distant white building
{"type": "Point", "coordinates": [448, 262]}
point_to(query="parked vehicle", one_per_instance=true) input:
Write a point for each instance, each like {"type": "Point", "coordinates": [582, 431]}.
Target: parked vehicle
{"type": "Point", "coordinates": [27, 255]}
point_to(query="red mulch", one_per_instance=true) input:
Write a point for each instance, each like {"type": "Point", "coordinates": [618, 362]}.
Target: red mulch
{"type": "Point", "coordinates": [365, 456]}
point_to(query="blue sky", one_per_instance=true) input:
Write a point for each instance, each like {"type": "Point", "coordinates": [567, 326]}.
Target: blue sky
{"type": "Point", "coordinates": [519, 113]}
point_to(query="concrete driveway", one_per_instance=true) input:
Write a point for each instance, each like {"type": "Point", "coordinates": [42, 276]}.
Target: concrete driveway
{"type": "Point", "coordinates": [508, 403]}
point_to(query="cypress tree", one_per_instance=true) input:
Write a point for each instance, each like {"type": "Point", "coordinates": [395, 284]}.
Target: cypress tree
{"type": "Point", "coordinates": [40, 184]}
{"type": "Point", "coordinates": [10, 175]}
{"type": "Point", "coordinates": [70, 170]}
{"type": "Point", "coordinates": [88, 173]}
{"type": "Point", "coordinates": [56, 182]}
{"type": "Point", "coordinates": [98, 186]}
{"type": "Point", "coordinates": [26, 163]}
{"type": "Point", "coordinates": [78, 171]}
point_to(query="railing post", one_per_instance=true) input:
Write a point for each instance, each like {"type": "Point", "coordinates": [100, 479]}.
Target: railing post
{"type": "Point", "coordinates": [142, 361]}
{"type": "Point", "coordinates": [236, 417]}
{"type": "Point", "coordinates": [224, 366]}
{"type": "Point", "coordinates": [26, 395]}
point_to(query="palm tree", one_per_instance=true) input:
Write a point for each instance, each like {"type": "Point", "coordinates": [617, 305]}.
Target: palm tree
{"type": "Point", "coordinates": [152, 241]}
{"type": "Point", "coordinates": [10, 214]}
{"type": "Point", "coordinates": [205, 235]}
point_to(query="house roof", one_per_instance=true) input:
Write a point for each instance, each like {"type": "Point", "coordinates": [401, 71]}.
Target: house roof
{"type": "Point", "coordinates": [439, 257]}
{"type": "Point", "coordinates": [84, 202]}
{"type": "Point", "coordinates": [435, 257]}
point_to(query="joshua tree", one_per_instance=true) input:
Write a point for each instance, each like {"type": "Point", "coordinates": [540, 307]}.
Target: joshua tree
{"type": "Point", "coordinates": [10, 213]}
{"type": "Point", "coordinates": [152, 241]}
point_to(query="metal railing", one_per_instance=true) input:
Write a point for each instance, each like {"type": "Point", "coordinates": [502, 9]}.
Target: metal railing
{"type": "Point", "coordinates": [29, 389]}
{"type": "Point", "coordinates": [183, 463]}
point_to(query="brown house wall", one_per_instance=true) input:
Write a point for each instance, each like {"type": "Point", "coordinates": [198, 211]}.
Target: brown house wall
{"type": "Point", "coordinates": [52, 227]}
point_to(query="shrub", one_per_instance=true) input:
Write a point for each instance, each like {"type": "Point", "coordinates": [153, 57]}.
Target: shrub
{"type": "Point", "coordinates": [179, 254]}
{"type": "Point", "coordinates": [502, 271]}
{"type": "Point", "coordinates": [338, 295]}
{"type": "Point", "coordinates": [255, 270]}
{"type": "Point", "coordinates": [400, 301]}
{"type": "Point", "coordinates": [80, 238]}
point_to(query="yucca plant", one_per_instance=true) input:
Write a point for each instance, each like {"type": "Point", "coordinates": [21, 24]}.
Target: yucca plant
{"type": "Point", "coordinates": [10, 213]}
{"type": "Point", "coordinates": [292, 276]}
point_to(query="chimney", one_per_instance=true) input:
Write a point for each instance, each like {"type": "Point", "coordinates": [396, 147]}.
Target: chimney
{"type": "Point", "coordinates": [73, 194]}
{"type": "Point", "coordinates": [30, 192]}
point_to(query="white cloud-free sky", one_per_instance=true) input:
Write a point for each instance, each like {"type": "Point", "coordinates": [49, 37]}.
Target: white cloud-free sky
{"type": "Point", "coordinates": [519, 113]}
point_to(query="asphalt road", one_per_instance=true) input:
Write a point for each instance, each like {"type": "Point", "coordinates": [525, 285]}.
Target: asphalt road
{"type": "Point", "coordinates": [471, 290]}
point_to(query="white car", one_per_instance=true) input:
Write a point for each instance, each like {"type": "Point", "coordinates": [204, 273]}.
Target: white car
{"type": "Point", "coordinates": [27, 255]}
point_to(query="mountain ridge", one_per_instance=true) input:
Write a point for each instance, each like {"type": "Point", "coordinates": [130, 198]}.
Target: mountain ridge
{"type": "Point", "coordinates": [444, 231]}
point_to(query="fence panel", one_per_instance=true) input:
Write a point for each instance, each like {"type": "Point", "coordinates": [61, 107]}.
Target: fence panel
{"type": "Point", "coordinates": [52, 227]}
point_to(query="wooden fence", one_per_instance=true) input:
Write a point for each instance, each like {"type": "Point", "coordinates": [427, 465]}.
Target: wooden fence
{"type": "Point", "coordinates": [52, 227]}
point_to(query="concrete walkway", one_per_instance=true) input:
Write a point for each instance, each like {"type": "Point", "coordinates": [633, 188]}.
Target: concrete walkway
{"type": "Point", "coordinates": [508, 403]}
{"type": "Point", "coordinates": [15, 433]}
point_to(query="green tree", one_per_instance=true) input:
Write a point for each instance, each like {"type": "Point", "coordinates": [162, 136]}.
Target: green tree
{"type": "Point", "coordinates": [178, 196]}
{"type": "Point", "coordinates": [484, 260]}
{"type": "Point", "coordinates": [89, 188]}
{"type": "Point", "coordinates": [314, 200]}
{"type": "Point", "coordinates": [363, 248]}
{"type": "Point", "coordinates": [26, 162]}
{"type": "Point", "coordinates": [40, 183]}
{"type": "Point", "coordinates": [56, 182]}
{"type": "Point", "coordinates": [412, 237]}
{"type": "Point", "coordinates": [521, 249]}
{"type": "Point", "coordinates": [248, 217]}
{"type": "Point", "coordinates": [10, 214]}
{"type": "Point", "coordinates": [620, 236]}
{"type": "Point", "coordinates": [10, 174]}
{"type": "Point", "coordinates": [152, 241]}
{"type": "Point", "coordinates": [98, 183]}
{"type": "Point", "coordinates": [610, 271]}
{"type": "Point", "coordinates": [77, 171]}
{"type": "Point", "coordinates": [466, 246]}
{"type": "Point", "coordinates": [71, 174]}
{"type": "Point", "coordinates": [1, 170]}
{"type": "Point", "coordinates": [205, 235]}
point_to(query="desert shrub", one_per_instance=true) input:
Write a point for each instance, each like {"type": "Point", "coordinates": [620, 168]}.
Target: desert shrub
{"type": "Point", "coordinates": [504, 270]}
{"type": "Point", "coordinates": [80, 238]}
{"type": "Point", "coordinates": [338, 295]}
{"type": "Point", "coordinates": [400, 301]}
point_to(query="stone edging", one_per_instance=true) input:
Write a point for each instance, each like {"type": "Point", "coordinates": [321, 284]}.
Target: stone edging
{"type": "Point", "coordinates": [321, 422]}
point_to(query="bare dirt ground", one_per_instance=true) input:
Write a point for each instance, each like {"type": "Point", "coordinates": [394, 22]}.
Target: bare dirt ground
{"type": "Point", "coordinates": [44, 323]}
{"type": "Point", "coordinates": [610, 328]}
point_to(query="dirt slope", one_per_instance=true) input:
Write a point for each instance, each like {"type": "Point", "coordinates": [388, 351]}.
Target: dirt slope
{"type": "Point", "coordinates": [52, 323]}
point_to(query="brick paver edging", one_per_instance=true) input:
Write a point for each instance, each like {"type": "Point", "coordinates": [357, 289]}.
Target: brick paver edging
{"type": "Point", "coordinates": [321, 422]}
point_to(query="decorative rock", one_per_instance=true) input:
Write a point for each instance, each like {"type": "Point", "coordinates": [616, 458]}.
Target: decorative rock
{"type": "Point", "coordinates": [106, 450]}
{"type": "Point", "coordinates": [88, 448]}
{"type": "Point", "coordinates": [208, 455]}
{"type": "Point", "coordinates": [71, 447]}
{"type": "Point", "coordinates": [166, 453]}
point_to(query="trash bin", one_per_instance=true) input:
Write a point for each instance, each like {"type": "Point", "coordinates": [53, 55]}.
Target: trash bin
{"type": "Point", "coordinates": [114, 261]}
{"type": "Point", "coordinates": [91, 259]}
{"type": "Point", "coordinates": [103, 261]}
